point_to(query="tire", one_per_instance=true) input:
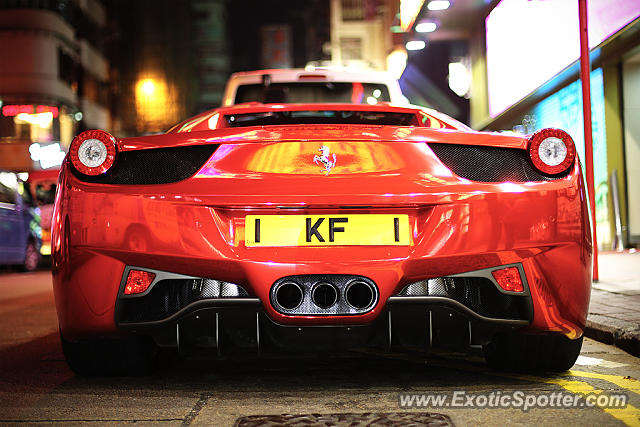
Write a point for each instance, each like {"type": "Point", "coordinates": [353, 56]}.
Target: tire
{"type": "Point", "coordinates": [31, 257]}
{"type": "Point", "coordinates": [531, 353]}
{"type": "Point", "coordinates": [110, 357]}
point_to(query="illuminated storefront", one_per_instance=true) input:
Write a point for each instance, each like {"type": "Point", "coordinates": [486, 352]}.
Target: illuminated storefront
{"type": "Point", "coordinates": [53, 79]}
{"type": "Point", "coordinates": [526, 77]}
{"type": "Point", "coordinates": [35, 136]}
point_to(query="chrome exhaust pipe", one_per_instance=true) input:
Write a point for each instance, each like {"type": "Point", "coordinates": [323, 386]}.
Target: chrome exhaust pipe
{"type": "Point", "coordinates": [324, 295]}
{"type": "Point", "coordinates": [359, 294]}
{"type": "Point", "coordinates": [289, 295]}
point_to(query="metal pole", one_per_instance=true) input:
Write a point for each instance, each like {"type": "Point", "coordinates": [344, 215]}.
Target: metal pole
{"type": "Point", "coordinates": [615, 198]}
{"type": "Point", "coordinates": [585, 69]}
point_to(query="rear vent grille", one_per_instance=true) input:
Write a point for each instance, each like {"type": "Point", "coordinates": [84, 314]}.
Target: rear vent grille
{"type": "Point", "coordinates": [476, 293]}
{"type": "Point", "coordinates": [169, 296]}
{"type": "Point", "coordinates": [489, 164]}
{"type": "Point", "coordinates": [154, 166]}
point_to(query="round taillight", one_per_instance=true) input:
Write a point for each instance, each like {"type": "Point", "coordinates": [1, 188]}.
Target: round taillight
{"type": "Point", "coordinates": [93, 152]}
{"type": "Point", "coordinates": [552, 151]}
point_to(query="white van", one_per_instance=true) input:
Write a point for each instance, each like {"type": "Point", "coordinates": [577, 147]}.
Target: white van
{"type": "Point", "coordinates": [320, 85]}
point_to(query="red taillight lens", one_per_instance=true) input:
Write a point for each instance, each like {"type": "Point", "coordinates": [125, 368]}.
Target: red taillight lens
{"type": "Point", "coordinates": [552, 151]}
{"type": "Point", "coordinates": [93, 152]}
{"type": "Point", "coordinates": [509, 279]}
{"type": "Point", "coordinates": [138, 281]}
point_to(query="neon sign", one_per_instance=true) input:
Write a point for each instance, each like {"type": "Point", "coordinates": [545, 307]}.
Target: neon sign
{"type": "Point", "coordinates": [14, 110]}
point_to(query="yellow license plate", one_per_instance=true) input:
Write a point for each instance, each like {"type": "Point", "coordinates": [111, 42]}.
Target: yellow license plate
{"type": "Point", "coordinates": [327, 230]}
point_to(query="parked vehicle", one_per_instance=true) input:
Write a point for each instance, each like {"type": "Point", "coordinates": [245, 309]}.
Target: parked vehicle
{"type": "Point", "coordinates": [315, 227]}
{"type": "Point", "coordinates": [42, 187]}
{"type": "Point", "coordinates": [296, 86]}
{"type": "Point", "coordinates": [20, 231]}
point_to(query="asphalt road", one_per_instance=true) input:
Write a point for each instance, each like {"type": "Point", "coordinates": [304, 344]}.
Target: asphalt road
{"type": "Point", "coordinates": [36, 386]}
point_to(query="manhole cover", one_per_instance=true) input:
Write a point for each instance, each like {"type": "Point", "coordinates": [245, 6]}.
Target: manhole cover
{"type": "Point", "coordinates": [387, 419]}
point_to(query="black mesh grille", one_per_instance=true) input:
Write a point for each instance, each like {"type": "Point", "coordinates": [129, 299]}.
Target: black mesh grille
{"type": "Point", "coordinates": [478, 294]}
{"type": "Point", "coordinates": [489, 164]}
{"type": "Point", "coordinates": [154, 166]}
{"type": "Point", "coordinates": [169, 296]}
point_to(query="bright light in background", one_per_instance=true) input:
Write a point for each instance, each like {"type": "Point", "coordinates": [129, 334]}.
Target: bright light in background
{"type": "Point", "coordinates": [514, 26]}
{"type": "Point", "coordinates": [396, 63]}
{"type": "Point", "coordinates": [426, 27]}
{"type": "Point", "coordinates": [49, 155]}
{"type": "Point", "coordinates": [371, 100]}
{"type": "Point", "coordinates": [409, 9]}
{"type": "Point", "coordinates": [459, 78]}
{"type": "Point", "coordinates": [522, 56]}
{"type": "Point", "coordinates": [147, 87]}
{"type": "Point", "coordinates": [9, 179]}
{"type": "Point", "coordinates": [438, 4]}
{"type": "Point", "coordinates": [155, 104]}
{"type": "Point", "coordinates": [415, 45]}
{"type": "Point", "coordinates": [41, 119]}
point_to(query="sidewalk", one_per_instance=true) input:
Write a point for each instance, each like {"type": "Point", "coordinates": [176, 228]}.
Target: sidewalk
{"type": "Point", "coordinates": [614, 312]}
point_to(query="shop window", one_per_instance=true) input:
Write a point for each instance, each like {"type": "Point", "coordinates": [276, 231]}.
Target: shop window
{"type": "Point", "coordinates": [353, 10]}
{"type": "Point", "coordinates": [89, 87]}
{"type": "Point", "coordinates": [67, 68]}
{"type": "Point", "coordinates": [351, 48]}
{"type": "Point", "coordinates": [7, 127]}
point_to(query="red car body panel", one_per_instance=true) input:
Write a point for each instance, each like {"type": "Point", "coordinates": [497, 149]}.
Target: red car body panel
{"type": "Point", "coordinates": [196, 226]}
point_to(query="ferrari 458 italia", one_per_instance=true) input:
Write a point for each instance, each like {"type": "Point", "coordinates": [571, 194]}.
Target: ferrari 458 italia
{"type": "Point", "coordinates": [258, 227]}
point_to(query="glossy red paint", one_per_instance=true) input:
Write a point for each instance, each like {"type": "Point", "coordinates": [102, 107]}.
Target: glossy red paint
{"type": "Point", "coordinates": [196, 226]}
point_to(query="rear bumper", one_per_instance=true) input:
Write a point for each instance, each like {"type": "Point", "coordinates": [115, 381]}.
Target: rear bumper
{"type": "Point", "coordinates": [233, 327]}
{"type": "Point", "coordinates": [543, 227]}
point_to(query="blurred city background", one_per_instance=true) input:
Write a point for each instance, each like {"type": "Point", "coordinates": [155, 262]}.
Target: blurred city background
{"type": "Point", "coordinates": [138, 67]}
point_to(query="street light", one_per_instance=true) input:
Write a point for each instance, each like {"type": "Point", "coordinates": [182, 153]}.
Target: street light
{"type": "Point", "coordinates": [415, 45]}
{"type": "Point", "coordinates": [147, 87]}
{"type": "Point", "coordinates": [155, 103]}
{"type": "Point", "coordinates": [438, 4]}
{"type": "Point", "coordinates": [426, 26]}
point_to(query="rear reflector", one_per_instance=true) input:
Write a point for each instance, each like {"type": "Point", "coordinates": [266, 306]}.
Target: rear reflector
{"type": "Point", "coordinates": [509, 279]}
{"type": "Point", "coordinates": [312, 77]}
{"type": "Point", "coordinates": [138, 281]}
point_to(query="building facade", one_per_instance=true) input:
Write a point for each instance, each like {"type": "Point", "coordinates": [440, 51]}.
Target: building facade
{"type": "Point", "coordinates": [54, 79]}
{"type": "Point", "coordinates": [526, 77]}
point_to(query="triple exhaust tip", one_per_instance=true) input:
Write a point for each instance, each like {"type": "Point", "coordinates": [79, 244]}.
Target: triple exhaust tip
{"type": "Point", "coordinates": [358, 294]}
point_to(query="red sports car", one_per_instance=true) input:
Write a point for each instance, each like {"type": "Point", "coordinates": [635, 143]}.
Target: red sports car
{"type": "Point", "coordinates": [323, 226]}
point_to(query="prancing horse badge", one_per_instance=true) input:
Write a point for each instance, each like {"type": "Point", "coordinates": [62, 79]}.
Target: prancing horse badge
{"type": "Point", "coordinates": [325, 159]}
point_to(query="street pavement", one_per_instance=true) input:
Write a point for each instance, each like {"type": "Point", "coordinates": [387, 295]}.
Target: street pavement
{"type": "Point", "coordinates": [36, 386]}
{"type": "Point", "coordinates": [614, 312]}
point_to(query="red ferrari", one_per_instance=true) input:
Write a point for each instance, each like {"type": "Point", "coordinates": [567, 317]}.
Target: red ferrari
{"type": "Point", "coordinates": [257, 227]}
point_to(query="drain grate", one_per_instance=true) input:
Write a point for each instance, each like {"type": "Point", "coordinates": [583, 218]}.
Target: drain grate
{"type": "Point", "coordinates": [387, 419]}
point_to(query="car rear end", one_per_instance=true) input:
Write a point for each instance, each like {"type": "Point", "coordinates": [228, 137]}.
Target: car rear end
{"type": "Point", "coordinates": [313, 236]}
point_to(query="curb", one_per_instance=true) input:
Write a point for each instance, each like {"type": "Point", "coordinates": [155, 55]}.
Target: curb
{"type": "Point", "coordinates": [612, 331]}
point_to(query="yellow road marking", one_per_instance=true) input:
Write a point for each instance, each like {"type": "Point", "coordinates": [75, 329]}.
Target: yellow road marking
{"type": "Point", "coordinates": [630, 415]}
{"type": "Point", "coordinates": [630, 384]}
